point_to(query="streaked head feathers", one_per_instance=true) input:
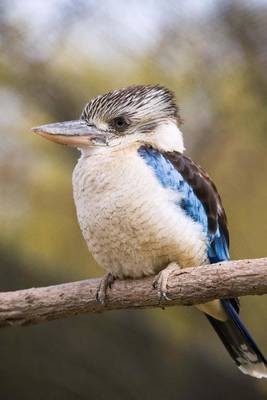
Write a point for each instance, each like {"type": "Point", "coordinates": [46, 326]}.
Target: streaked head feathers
{"type": "Point", "coordinates": [135, 103]}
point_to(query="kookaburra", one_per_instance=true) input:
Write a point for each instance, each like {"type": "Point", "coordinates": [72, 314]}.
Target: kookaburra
{"type": "Point", "coordinates": [145, 208]}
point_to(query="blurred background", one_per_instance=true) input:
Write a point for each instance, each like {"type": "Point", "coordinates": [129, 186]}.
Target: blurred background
{"type": "Point", "coordinates": [54, 56]}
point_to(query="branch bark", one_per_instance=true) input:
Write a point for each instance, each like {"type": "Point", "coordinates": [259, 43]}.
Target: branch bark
{"type": "Point", "coordinates": [187, 287]}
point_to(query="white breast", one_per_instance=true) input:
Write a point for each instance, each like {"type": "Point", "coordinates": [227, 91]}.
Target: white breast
{"type": "Point", "coordinates": [129, 221]}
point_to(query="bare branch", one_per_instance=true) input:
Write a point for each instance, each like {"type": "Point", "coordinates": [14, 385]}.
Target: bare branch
{"type": "Point", "coordinates": [187, 287]}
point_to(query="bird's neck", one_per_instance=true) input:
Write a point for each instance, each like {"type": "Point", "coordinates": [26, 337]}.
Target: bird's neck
{"type": "Point", "coordinates": [167, 137]}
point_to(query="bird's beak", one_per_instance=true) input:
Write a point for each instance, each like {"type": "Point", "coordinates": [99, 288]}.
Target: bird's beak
{"type": "Point", "coordinates": [73, 133]}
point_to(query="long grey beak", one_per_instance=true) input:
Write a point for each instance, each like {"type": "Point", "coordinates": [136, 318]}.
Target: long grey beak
{"type": "Point", "coordinates": [73, 133]}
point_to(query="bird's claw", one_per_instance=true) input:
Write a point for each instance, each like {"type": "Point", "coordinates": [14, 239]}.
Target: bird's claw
{"type": "Point", "coordinates": [105, 283]}
{"type": "Point", "coordinates": [161, 281]}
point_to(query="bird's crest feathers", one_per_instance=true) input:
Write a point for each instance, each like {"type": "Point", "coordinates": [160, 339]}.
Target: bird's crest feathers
{"type": "Point", "coordinates": [140, 102]}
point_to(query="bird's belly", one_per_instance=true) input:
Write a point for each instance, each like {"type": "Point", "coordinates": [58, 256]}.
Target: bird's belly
{"type": "Point", "coordinates": [136, 230]}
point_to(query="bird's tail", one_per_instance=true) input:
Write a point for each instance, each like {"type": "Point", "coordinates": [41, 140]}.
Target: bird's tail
{"type": "Point", "coordinates": [239, 343]}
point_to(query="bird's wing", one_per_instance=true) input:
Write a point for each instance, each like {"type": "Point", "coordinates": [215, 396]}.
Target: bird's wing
{"type": "Point", "coordinates": [205, 191]}
{"type": "Point", "coordinates": [202, 203]}
{"type": "Point", "coordinates": [200, 198]}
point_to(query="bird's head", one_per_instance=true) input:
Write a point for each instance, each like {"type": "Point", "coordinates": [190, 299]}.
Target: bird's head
{"type": "Point", "coordinates": [123, 117]}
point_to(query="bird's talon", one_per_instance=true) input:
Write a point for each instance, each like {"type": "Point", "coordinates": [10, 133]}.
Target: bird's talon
{"type": "Point", "coordinates": [99, 300]}
{"type": "Point", "coordinates": [166, 297]}
{"type": "Point", "coordinates": [105, 283]}
{"type": "Point", "coordinates": [111, 280]}
{"type": "Point", "coordinates": [161, 281]}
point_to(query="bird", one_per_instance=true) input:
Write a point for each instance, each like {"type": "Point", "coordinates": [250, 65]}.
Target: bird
{"type": "Point", "coordinates": [147, 209]}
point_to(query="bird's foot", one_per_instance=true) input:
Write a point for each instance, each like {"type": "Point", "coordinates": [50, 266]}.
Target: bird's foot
{"type": "Point", "coordinates": [105, 284]}
{"type": "Point", "coordinates": [161, 281]}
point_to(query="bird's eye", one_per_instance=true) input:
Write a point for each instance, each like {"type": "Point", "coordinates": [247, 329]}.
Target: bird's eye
{"type": "Point", "coordinates": [120, 123]}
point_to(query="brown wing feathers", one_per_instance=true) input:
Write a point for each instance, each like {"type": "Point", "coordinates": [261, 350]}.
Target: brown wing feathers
{"type": "Point", "coordinates": [204, 189]}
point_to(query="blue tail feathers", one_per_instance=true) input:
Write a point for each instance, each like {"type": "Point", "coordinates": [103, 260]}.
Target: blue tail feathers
{"type": "Point", "coordinates": [239, 343]}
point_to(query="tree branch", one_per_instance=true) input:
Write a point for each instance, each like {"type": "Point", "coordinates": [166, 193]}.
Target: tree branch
{"type": "Point", "coordinates": [187, 287]}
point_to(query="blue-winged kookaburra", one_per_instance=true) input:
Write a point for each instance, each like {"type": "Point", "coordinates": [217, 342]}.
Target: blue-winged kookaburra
{"type": "Point", "coordinates": [144, 208]}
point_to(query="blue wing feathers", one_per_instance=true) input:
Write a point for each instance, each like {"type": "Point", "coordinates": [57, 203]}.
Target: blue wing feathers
{"type": "Point", "coordinates": [218, 248]}
{"type": "Point", "coordinates": [170, 178]}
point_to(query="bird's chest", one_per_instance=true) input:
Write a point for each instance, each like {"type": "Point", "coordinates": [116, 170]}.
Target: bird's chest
{"type": "Point", "coordinates": [128, 220]}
